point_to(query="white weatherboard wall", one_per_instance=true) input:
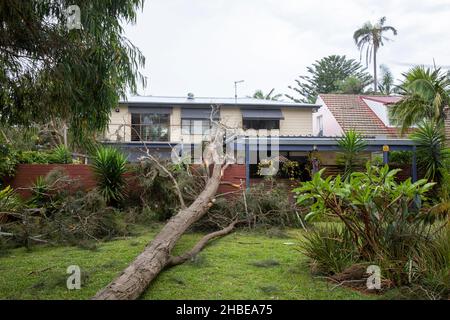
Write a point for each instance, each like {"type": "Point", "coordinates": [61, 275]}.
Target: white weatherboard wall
{"type": "Point", "coordinates": [331, 128]}
{"type": "Point", "coordinates": [380, 110]}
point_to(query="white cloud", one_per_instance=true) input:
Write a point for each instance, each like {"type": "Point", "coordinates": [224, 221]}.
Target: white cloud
{"type": "Point", "coordinates": [203, 46]}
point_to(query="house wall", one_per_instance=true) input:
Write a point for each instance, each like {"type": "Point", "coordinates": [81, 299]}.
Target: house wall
{"type": "Point", "coordinates": [380, 110]}
{"type": "Point", "coordinates": [331, 127]}
{"type": "Point", "coordinates": [297, 122]}
{"type": "Point", "coordinates": [119, 127]}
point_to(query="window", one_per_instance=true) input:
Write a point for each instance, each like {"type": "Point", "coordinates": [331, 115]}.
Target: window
{"type": "Point", "coordinates": [261, 124]}
{"type": "Point", "coordinates": [195, 127]}
{"type": "Point", "coordinates": [320, 125]}
{"type": "Point", "coordinates": [150, 127]}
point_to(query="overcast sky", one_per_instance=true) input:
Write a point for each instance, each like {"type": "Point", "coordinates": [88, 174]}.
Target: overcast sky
{"type": "Point", "coordinates": [203, 46]}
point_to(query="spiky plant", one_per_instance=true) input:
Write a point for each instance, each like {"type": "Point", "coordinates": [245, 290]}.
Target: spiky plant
{"type": "Point", "coordinates": [433, 155]}
{"type": "Point", "coordinates": [351, 145]}
{"type": "Point", "coordinates": [109, 166]}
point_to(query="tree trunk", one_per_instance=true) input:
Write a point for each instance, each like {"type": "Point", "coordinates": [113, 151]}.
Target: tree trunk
{"type": "Point", "coordinates": [375, 80]}
{"type": "Point", "coordinates": [132, 282]}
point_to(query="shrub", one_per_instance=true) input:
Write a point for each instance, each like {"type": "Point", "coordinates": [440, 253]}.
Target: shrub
{"type": "Point", "coordinates": [387, 221]}
{"type": "Point", "coordinates": [109, 166]}
{"type": "Point", "coordinates": [330, 249]}
{"type": "Point", "coordinates": [61, 154]}
{"type": "Point", "coordinates": [8, 162]}
{"type": "Point", "coordinates": [351, 144]}
{"type": "Point", "coordinates": [262, 207]}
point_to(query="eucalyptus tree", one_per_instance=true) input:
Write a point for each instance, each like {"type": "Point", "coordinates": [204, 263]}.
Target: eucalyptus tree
{"type": "Point", "coordinates": [370, 38]}
{"type": "Point", "coordinates": [325, 76]}
{"type": "Point", "coordinates": [66, 60]}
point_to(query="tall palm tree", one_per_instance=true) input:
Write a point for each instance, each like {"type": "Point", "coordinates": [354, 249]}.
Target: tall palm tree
{"type": "Point", "coordinates": [370, 37]}
{"type": "Point", "coordinates": [426, 94]}
{"type": "Point", "coordinates": [261, 95]}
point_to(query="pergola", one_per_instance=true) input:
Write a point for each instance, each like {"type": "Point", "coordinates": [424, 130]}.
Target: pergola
{"type": "Point", "coordinates": [309, 144]}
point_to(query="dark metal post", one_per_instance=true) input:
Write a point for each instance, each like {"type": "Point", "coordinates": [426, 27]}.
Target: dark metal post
{"type": "Point", "coordinates": [414, 164]}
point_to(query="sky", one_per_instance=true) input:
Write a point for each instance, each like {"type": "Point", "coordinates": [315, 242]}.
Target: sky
{"type": "Point", "coordinates": [203, 46]}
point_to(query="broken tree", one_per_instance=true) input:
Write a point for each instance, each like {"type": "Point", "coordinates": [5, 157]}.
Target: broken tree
{"type": "Point", "coordinates": [132, 282]}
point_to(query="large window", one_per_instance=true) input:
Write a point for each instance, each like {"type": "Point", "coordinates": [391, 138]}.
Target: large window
{"type": "Point", "coordinates": [150, 127]}
{"type": "Point", "coordinates": [261, 124]}
{"type": "Point", "coordinates": [196, 127]}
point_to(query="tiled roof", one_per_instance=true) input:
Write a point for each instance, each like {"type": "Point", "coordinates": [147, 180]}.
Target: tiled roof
{"type": "Point", "coordinates": [351, 112]}
{"type": "Point", "coordinates": [384, 99]}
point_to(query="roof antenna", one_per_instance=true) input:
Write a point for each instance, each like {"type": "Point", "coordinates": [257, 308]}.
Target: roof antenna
{"type": "Point", "coordinates": [235, 89]}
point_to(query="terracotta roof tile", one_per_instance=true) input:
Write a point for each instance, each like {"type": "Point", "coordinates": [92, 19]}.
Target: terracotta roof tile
{"type": "Point", "coordinates": [351, 112]}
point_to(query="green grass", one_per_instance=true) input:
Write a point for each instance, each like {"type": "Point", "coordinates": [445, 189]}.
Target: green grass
{"type": "Point", "coordinates": [238, 266]}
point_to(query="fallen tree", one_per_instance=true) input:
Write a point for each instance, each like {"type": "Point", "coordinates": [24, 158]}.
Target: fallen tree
{"type": "Point", "coordinates": [132, 282]}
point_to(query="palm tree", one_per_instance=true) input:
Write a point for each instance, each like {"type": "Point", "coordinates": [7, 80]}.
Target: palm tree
{"type": "Point", "coordinates": [370, 37]}
{"type": "Point", "coordinates": [260, 95]}
{"type": "Point", "coordinates": [426, 94]}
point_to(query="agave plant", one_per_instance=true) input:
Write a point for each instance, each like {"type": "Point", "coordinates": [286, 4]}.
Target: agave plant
{"type": "Point", "coordinates": [62, 155]}
{"type": "Point", "coordinates": [351, 144]}
{"type": "Point", "coordinates": [109, 166]}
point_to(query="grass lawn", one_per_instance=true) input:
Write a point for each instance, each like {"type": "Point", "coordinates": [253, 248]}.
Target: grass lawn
{"type": "Point", "coordinates": [239, 266]}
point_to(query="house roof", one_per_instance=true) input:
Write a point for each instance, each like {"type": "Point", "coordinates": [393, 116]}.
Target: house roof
{"type": "Point", "coordinates": [154, 101]}
{"type": "Point", "coordinates": [352, 112]}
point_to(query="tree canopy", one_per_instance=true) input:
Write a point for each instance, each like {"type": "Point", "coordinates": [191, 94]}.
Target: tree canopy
{"type": "Point", "coordinates": [370, 38]}
{"type": "Point", "coordinates": [49, 71]}
{"type": "Point", "coordinates": [426, 94]}
{"type": "Point", "coordinates": [259, 94]}
{"type": "Point", "coordinates": [326, 76]}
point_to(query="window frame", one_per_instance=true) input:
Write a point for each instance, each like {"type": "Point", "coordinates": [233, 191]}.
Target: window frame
{"type": "Point", "coordinates": [162, 122]}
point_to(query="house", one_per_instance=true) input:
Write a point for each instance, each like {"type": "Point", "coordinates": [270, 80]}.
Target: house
{"type": "Point", "coordinates": [366, 114]}
{"type": "Point", "coordinates": [163, 122]}
{"type": "Point", "coordinates": [180, 124]}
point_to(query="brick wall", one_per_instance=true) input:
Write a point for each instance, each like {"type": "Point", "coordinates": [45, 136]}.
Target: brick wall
{"type": "Point", "coordinates": [26, 175]}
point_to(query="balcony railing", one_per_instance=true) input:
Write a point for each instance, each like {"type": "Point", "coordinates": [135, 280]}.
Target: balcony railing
{"type": "Point", "coordinates": [119, 132]}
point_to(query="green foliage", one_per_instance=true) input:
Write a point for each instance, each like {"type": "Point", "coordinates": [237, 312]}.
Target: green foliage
{"type": "Point", "coordinates": [261, 95]}
{"type": "Point", "coordinates": [325, 75]}
{"type": "Point", "coordinates": [290, 169]}
{"type": "Point", "coordinates": [109, 166]}
{"type": "Point", "coordinates": [370, 38]}
{"type": "Point", "coordinates": [387, 221]}
{"type": "Point", "coordinates": [8, 200]}
{"type": "Point", "coordinates": [51, 72]}
{"type": "Point", "coordinates": [8, 162]}
{"type": "Point", "coordinates": [61, 154]}
{"type": "Point", "coordinates": [155, 190]}
{"type": "Point", "coordinates": [400, 157]}
{"type": "Point", "coordinates": [386, 85]}
{"type": "Point", "coordinates": [352, 144]}
{"type": "Point", "coordinates": [330, 248]}
{"type": "Point", "coordinates": [262, 207]}
{"type": "Point", "coordinates": [426, 93]}
{"type": "Point", "coordinates": [433, 155]}
{"type": "Point", "coordinates": [351, 85]}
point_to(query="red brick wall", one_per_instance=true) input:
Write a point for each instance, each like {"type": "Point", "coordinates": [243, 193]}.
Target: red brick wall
{"type": "Point", "coordinates": [26, 175]}
{"type": "Point", "coordinates": [232, 178]}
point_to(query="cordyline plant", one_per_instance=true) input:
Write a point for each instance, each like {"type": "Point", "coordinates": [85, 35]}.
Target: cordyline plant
{"type": "Point", "coordinates": [374, 208]}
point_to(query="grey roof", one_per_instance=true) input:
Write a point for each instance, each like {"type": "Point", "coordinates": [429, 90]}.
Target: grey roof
{"type": "Point", "coordinates": [208, 101]}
